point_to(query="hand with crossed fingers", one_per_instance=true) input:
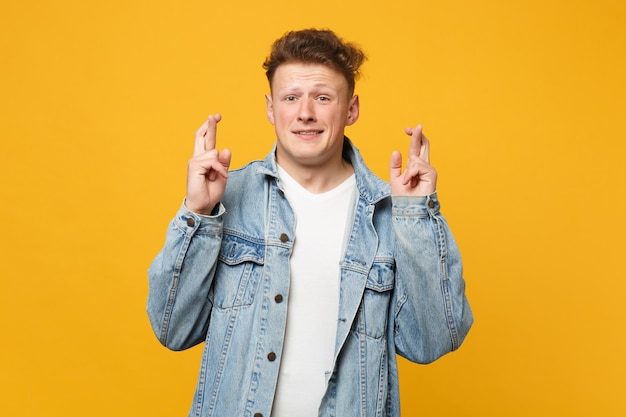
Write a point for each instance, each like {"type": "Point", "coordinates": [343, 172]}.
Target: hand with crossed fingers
{"type": "Point", "coordinates": [207, 170]}
{"type": "Point", "coordinates": [419, 178]}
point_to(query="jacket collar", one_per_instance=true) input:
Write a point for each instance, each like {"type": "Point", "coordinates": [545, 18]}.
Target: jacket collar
{"type": "Point", "coordinates": [371, 188]}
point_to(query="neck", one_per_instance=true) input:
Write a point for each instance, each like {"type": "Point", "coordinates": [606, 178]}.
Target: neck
{"type": "Point", "coordinates": [317, 179]}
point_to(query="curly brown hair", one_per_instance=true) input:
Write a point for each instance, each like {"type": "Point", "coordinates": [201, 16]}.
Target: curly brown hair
{"type": "Point", "coordinates": [316, 46]}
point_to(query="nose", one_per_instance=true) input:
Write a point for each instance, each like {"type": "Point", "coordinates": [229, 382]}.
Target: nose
{"type": "Point", "coordinates": [306, 111]}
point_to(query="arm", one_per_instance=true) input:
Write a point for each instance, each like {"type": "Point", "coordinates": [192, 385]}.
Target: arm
{"type": "Point", "coordinates": [432, 315]}
{"type": "Point", "coordinates": [182, 273]}
{"type": "Point", "coordinates": [180, 278]}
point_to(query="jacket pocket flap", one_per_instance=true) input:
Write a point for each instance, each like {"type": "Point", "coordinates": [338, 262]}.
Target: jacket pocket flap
{"type": "Point", "coordinates": [235, 250]}
{"type": "Point", "coordinates": [382, 276]}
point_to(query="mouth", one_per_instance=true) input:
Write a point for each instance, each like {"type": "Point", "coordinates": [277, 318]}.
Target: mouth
{"type": "Point", "coordinates": [308, 132]}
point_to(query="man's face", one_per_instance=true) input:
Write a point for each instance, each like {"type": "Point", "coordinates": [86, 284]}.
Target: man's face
{"type": "Point", "coordinates": [309, 108]}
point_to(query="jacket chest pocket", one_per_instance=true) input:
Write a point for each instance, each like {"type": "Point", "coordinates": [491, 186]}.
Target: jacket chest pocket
{"type": "Point", "coordinates": [373, 314]}
{"type": "Point", "coordinates": [238, 272]}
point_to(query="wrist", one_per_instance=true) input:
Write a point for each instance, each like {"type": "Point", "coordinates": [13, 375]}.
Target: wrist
{"type": "Point", "coordinates": [212, 210]}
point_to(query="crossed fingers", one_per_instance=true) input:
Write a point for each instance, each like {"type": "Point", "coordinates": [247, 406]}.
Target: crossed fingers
{"type": "Point", "coordinates": [419, 155]}
{"type": "Point", "coordinates": [205, 151]}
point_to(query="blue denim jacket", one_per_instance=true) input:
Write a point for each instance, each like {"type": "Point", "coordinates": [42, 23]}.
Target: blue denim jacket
{"type": "Point", "coordinates": [224, 280]}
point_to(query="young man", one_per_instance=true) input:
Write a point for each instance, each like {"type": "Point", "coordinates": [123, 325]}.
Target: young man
{"type": "Point", "coordinates": [305, 274]}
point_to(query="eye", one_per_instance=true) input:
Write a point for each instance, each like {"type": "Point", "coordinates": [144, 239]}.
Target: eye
{"type": "Point", "coordinates": [323, 98]}
{"type": "Point", "coordinates": [290, 98]}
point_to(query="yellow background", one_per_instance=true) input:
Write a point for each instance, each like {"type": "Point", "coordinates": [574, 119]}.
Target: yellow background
{"type": "Point", "coordinates": [524, 102]}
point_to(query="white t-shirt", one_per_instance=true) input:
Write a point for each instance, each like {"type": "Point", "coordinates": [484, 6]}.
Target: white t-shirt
{"type": "Point", "coordinates": [312, 312]}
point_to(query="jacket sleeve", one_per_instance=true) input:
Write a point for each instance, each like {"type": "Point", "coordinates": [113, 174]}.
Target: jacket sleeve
{"type": "Point", "coordinates": [180, 278]}
{"type": "Point", "coordinates": [431, 313]}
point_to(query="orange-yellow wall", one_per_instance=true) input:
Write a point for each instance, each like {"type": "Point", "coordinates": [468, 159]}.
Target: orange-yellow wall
{"type": "Point", "coordinates": [524, 102]}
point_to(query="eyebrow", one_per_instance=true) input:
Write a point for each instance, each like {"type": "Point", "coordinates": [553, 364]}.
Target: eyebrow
{"type": "Point", "coordinates": [317, 86]}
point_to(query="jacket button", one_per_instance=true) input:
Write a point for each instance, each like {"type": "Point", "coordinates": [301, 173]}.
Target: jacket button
{"type": "Point", "coordinates": [190, 222]}
{"type": "Point", "coordinates": [431, 203]}
{"type": "Point", "coordinates": [271, 356]}
{"type": "Point", "coordinates": [278, 298]}
{"type": "Point", "coordinates": [258, 415]}
{"type": "Point", "coordinates": [284, 237]}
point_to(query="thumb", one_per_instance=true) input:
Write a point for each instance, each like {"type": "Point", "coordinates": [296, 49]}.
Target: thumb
{"type": "Point", "coordinates": [395, 164]}
{"type": "Point", "coordinates": [224, 158]}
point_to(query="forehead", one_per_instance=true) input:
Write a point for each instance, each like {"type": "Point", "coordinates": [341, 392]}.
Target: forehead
{"type": "Point", "coordinates": [293, 74]}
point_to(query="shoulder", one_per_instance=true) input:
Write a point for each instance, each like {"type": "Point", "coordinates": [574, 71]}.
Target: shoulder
{"type": "Point", "coordinates": [245, 183]}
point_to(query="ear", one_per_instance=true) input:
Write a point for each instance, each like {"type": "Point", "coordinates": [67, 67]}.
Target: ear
{"type": "Point", "coordinates": [353, 110]}
{"type": "Point", "coordinates": [269, 108]}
